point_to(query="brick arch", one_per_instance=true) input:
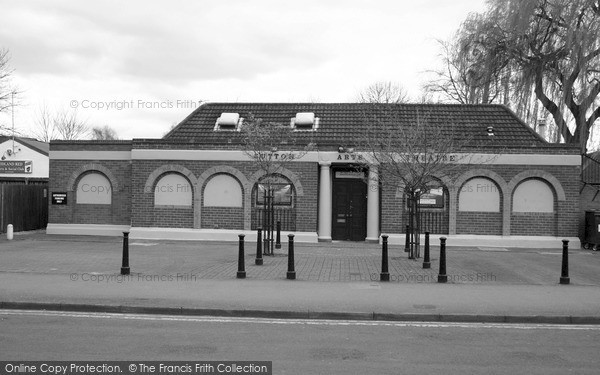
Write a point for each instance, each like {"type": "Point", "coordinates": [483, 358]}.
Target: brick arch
{"type": "Point", "coordinates": [168, 168]}
{"type": "Point", "coordinates": [294, 179]}
{"type": "Point", "coordinates": [174, 168]}
{"type": "Point", "coordinates": [93, 167]}
{"type": "Point", "coordinates": [222, 169]}
{"type": "Point", "coordinates": [540, 174]}
{"type": "Point", "coordinates": [550, 180]}
{"type": "Point", "coordinates": [473, 173]}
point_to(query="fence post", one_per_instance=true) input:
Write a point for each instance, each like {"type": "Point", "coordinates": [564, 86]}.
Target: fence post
{"type": "Point", "coordinates": [291, 273]}
{"type": "Point", "coordinates": [564, 274]}
{"type": "Point", "coordinates": [385, 275]}
{"type": "Point", "coordinates": [241, 273]}
{"type": "Point", "coordinates": [125, 270]}
{"type": "Point", "coordinates": [278, 238]}
{"type": "Point", "coordinates": [426, 259]}
{"type": "Point", "coordinates": [259, 259]}
{"type": "Point", "coordinates": [442, 277]}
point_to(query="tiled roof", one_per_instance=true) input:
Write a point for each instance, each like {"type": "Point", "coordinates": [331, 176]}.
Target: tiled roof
{"type": "Point", "coordinates": [41, 147]}
{"type": "Point", "coordinates": [340, 123]}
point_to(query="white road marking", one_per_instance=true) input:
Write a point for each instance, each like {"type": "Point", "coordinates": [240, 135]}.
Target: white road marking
{"type": "Point", "coordinates": [319, 322]}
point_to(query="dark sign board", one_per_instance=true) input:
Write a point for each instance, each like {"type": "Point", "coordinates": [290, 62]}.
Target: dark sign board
{"type": "Point", "coordinates": [59, 198]}
{"type": "Point", "coordinates": [16, 166]}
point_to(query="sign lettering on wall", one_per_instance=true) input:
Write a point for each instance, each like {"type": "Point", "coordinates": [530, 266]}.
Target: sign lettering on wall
{"type": "Point", "coordinates": [16, 166]}
{"type": "Point", "coordinates": [349, 174]}
{"type": "Point", "coordinates": [59, 198]}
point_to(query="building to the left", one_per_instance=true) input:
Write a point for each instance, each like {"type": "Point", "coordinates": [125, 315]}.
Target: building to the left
{"type": "Point", "coordinates": [24, 169]}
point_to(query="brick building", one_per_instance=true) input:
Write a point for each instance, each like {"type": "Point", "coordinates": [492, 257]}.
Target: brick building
{"type": "Point", "coordinates": [196, 183]}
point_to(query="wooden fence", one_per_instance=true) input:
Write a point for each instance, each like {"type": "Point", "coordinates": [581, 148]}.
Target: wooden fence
{"type": "Point", "coordinates": [23, 206]}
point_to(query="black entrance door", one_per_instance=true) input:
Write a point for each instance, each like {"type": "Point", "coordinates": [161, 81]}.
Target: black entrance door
{"type": "Point", "coordinates": [349, 209]}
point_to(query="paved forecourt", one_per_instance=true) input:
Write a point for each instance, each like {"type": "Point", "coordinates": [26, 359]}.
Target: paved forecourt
{"type": "Point", "coordinates": [333, 280]}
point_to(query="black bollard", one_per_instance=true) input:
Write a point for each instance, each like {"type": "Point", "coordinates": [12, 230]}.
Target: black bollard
{"type": "Point", "coordinates": [564, 274]}
{"type": "Point", "coordinates": [407, 241]}
{"type": "Point", "coordinates": [241, 273]}
{"type": "Point", "coordinates": [385, 275]}
{"type": "Point", "coordinates": [259, 259]}
{"type": "Point", "coordinates": [278, 238]}
{"type": "Point", "coordinates": [442, 277]}
{"type": "Point", "coordinates": [426, 260]}
{"type": "Point", "coordinates": [291, 273]}
{"type": "Point", "coordinates": [125, 264]}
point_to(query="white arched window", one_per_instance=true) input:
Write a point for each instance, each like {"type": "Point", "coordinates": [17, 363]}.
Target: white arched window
{"type": "Point", "coordinates": [223, 190]}
{"type": "Point", "coordinates": [479, 194]}
{"type": "Point", "coordinates": [533, 196]}
{"type": "Point", "coordinates": [173, 190]}
{"type": "Point", "coordinates": [94, 188]}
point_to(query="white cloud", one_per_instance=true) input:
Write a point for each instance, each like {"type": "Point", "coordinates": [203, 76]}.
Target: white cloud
{"type": "Point", "coordinates": [231, 50]}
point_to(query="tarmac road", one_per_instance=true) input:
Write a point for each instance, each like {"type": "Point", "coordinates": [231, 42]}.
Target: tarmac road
{"type": "Point", "coordinates": [304, 346]}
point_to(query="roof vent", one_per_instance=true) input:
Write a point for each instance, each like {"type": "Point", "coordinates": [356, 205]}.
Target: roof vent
{"type": "Point", "coordinates": [490, 131]}
{"type": "Point", "coordinates": [228, 121]}
{"type": "Point", "coordinates": [305, 121]}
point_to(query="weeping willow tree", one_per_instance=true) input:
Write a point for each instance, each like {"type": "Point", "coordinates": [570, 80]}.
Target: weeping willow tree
{"type": "Point", "coordinates": [539, 57]}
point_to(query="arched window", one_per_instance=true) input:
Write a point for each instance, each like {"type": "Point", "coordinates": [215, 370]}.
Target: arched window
{"type": "Point", "coordinates": [222, 190]}
{"type": "Point", "coordinates": [479, 195]}
{"type": "Point", "coordinates": [533, 196]}
{"type": "Point", "coordinates": [283, 191]}
{"type": "Point", "coordinates": [173, 190]}
{"type": "Point", "coordinates": [94, 188]}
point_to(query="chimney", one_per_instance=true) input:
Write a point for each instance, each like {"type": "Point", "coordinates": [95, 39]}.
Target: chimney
{"type": "Point", "coordinates": [541, 128]}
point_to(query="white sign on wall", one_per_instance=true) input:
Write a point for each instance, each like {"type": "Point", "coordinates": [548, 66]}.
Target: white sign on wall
{"type": "Point", "coordinates": [479, 195]}
{"type": "Point", "coordinates": [94, 188]}
{"type": "Point", "coordinates": [173, 190]}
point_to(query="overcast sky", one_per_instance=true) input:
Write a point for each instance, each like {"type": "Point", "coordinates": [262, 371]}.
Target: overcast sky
{"type": "Point", "coordinates": [144, 55]}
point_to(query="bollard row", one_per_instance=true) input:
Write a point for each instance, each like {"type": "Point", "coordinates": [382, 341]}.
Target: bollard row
{"type": "Point", "coordinates": [241, 273]}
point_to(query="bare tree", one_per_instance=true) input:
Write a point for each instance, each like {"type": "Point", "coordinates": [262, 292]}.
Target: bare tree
{"type": "Point", "coordinates": [64, 124]}
{"type": "Point", "coordinates": [6, 88]}
{"type": "Point", "coordinates": [272, 146]}
{"type": "Point", "coordinates": [384, 92]}
{"type": "Point", "coordinates": [416, 157]}
{"type": "Point", "coordinates": [8, 93]}
{"type": "Point", "coordinates": [104, 133]}
{"type": "Point", "coordinates": [44, 125]}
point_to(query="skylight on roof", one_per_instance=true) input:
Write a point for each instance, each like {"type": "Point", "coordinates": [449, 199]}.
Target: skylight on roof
{"type": "Point", "coordinates": [305, 121]}
{"type": "Point", "coordinates": [228, 121]}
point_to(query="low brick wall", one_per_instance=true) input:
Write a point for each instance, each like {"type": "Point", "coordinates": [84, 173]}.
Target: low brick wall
{"type": "Point", "coordinates": [223, 217]}
{"type": "Point", "coordinates": [486, 223]}
{"type": "Point", "coordinates": [533, 224]}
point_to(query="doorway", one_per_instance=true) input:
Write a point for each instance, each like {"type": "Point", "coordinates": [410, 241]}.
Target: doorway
{"type": "Point", "coordinates": [349, 206]}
